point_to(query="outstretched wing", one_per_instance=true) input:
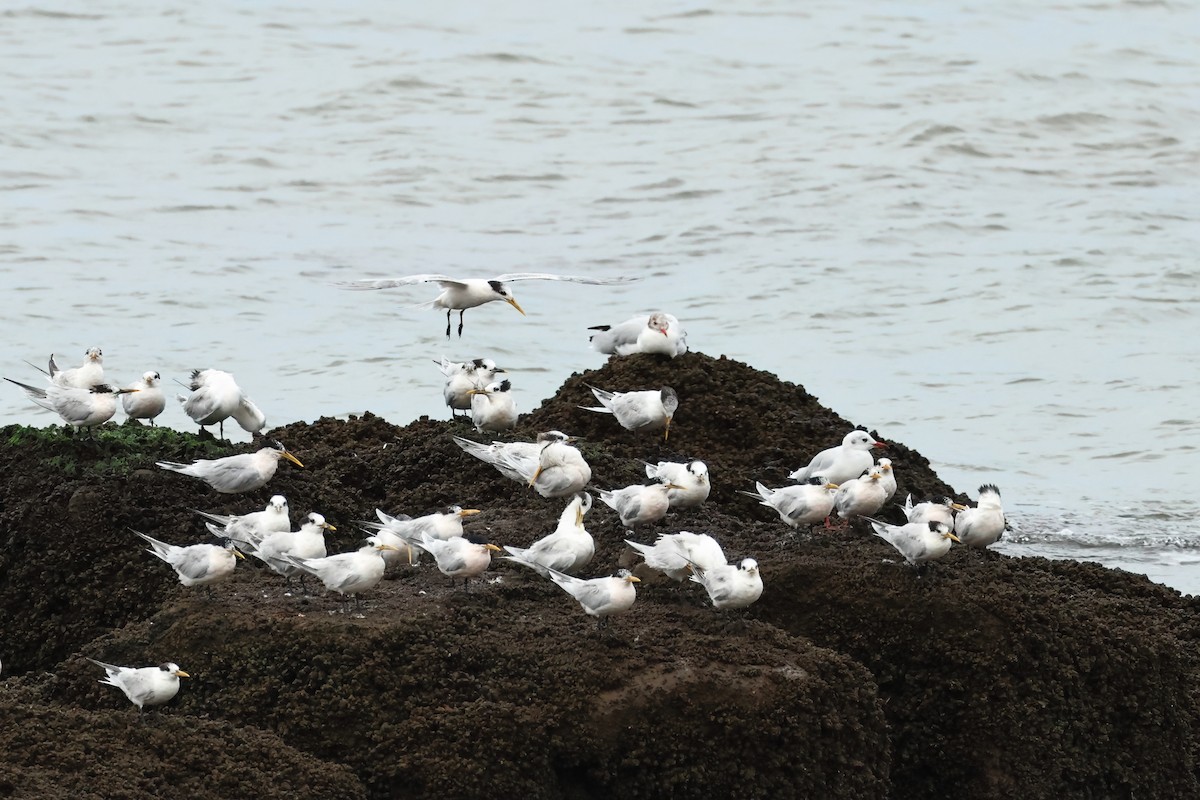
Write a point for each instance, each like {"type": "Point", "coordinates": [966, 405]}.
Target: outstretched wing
{"type": "Point", "coordinates": [391, 283]}
{"type": "Point", "coordinates": [547, 276]}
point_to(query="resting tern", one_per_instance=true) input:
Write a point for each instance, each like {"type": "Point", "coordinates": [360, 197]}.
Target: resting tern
{"type": "Point", "coordinates": [639, 505]}
{"type": "Point", "coordinates": [551, 465]}
{"type": "Point", "coordinates": [729, 586]}
{"type": "Point", "coordinates": [144, 686]}
{"type": "Point", "coordinates": [838, 464]}
{"type": "Point", "coordinates": [250, 529]}
{"type": "Point", "coordinates": [805, 504]}
{"type": "Point", "coordinates": [80, 408]}
{"type": "Point", "coordinates": [493, 408]}
{"type": "Point", "coordinates": [599, 597]}
{"type": "Point", "coordinates": [234, 474]}
{"type": "Point", "coordinates": [939, 509]}
{"type": "Point", "coordinates": [568, 549]}
{"type": "Point", "coordinates": [403, 532]}
{"type": "Point", "coordinates": [984, 525]}
{"type": "Point", "coordinates": [197, 564]}
{"type": "Point", "coordinates": [215, 397]}
{"type": "Point", "coordinates": [459, 557]}
{"type": "Point", "coordinates": [307, 542]}
{"type": "Point", "coordinates": [639, 411]}
{"type": "Point", "coordinates": [655, 333]}
{"type": "Point", "coordinates": [673, 554]}
{"type": "Point", "coordinates": [462, 377]}
{"type": "Point", "coordinates": [861, 497]}
{"type": "Point", "coordinates": [889, 477]}
{"type": "Point", "coordinates": [85, 376]}
{"type": "Point", "coordinates": [918, 542]}
{"type": "Point", "coordinates": [692, 478]}
{"type": "Point", "coordinates": [144, 400]}
{"type": "Point", "coordinates": [459, 294]}
{"type": "Point", "coordinates": [347, 573]}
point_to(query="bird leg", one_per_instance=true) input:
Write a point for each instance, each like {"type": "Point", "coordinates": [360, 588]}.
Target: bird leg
{"type": "Point", "coordinates": [460, 323]}
{"type": "Point", "coordinates": [448, 310]}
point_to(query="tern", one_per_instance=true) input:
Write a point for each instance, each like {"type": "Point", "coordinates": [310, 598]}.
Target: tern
{"type": "Point", "coordinates": [215, 397]}
{"type": "Point", "coordinates": [463, 377]}
{"type": "Point", "coordinates": [729, 586]}
{"type": "Point", "coordinates": [197, 564]}
{"type": "Point", "coordinates": [307, 542]}
{"type": "Point", "coordinates": [493, 408]}
{"type": "Point", "coordinates": [658, 333]}
{"type": "Point", "coordinates": [982, 526]}
{"type": "Point", "coordinates": [459, 557]}
{"type": "Point", "coordinates": [599, 597]}
{"type": "Point", "coordinates": [676, 554]}
{"type": "Point", "coordinates": [144, 399]}
{"type": "Point", "coordinates": [459, 294]}
{"type": "Point", "coordinates": [639, 505]}
{"type": "Point", "coordinates": [347, 573]}
{"type": "Point", "coordinates": [250, 529]}
{"type": "Point", "coordinates": [551, 465]}
{"type": "Point", "coordinates": [79, 408]}
{"type": "Point", "coordinates": [85, 376]}
{"type": "Point", "coordinates": [144, 686]}
{"type": "Point", "coordinates": [838, 464]}
{"type": "Point", "coordinates": [939, 509]}
{"type": "Point", "coordinates": [235, 474]}
{"type": "Point", "coordinates": [403, 532]}
{"type": "Point", "coordinates": [568, 549]}
{"type": "Point", "coordinates": [692, 477]}
{"type": "Point", "coordinates": [638, 411]}
{"type": "Point", "coordinates": [889, 477]}
{"type": "Point", "coordinates": [805, 504]}
{"type": "Point", "coordinates": [918, 542]}
{"type": "Point", "coordinates": [861, 497]}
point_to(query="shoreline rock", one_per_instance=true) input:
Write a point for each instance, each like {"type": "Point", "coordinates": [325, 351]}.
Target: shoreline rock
{"type": "Point", "coordinates": [851, 677]}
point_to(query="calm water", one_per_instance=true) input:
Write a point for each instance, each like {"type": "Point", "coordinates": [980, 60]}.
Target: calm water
{"type": "Point", "coordinates": [971, 226]}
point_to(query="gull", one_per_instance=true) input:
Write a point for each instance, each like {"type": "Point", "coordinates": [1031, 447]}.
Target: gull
{"type": "Point", "coordinates": [805, 504]}
{"type": "Point", "coordinates": [459, 294]}
{"type": "Point", "coordinates": [234, 474]}
{"type": "Point", "coordinates": [79, 408]}
{"type": "Point", "coordinates": [404, 532]}
{"type": "Point", "coordinates": [460, 557]}
{"type": "Point", "coordinates": [215, 397]}
{"type": "Point", "coordinates": [939, 509]}
{"type": "Point", "coordinates": [861, 496]}
{"type": "Point", "coordinates": [493, 408]}
{"type": "Point", "coordinates": [889, 477]}
{"type": "Point", "coordinates": [639, 411]}
{"type": "Point", "coordinates": [691, 478]}
{"type": "Point", "coordinates": [462, 377]}
{"type": "Point", "coordinates": [307, 542]}
{"type": "Point", "coordinates": [984, 525]}
{"type": "Point", "coordinates": [85, 376]}
{"type": "Point", "coordinates": [659, 333]}
{"type": "Point", "coordinates": [347, 573]}
{"type": "Point", "coordinates": [144, 686]}
{"type": "Point", "coordinates": [639, 505]}
{"type": "Point", "coordinates": [144, 400]}
{"type": "Point", "coordinates": [729, 586]}
{"type": "Point", "coordinates": [839, 464]}
{"type": "Point", "coordinates": [918, 542]}
{"type": "Point", "coordinates": [249, 529]}
{"type": "Point", "coordinates": [197, 564]}
{"type": "Point", "coordinates": [568, 549]}
{"type": "Point", "coordinates": [599, 597]}
{"type": "Point", "coordinates": [675, 554]}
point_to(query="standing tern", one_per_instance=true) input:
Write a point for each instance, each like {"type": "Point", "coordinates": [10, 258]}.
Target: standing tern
{"type": "Point", "coordinates": [805, 504]}
{"type": "Point", "coordinates": [347, 573]}
{"type": "Point", "coordinates": [85, 376]}
{"type": "Point", "coordinates": [234, 474]}
{"type": "Point", "coordinates": [568, 549]}
{"type": "Point", "coordinates": [639, 411]}
{"type": "Point", "coordinates": [80, 408]}
{"type": "Point", "coordinates": [463, 377]}
{"type": "Point", "coordinates": [889, 477]}
{"type": "Point", "coordinates": [307, 542]}
{"type": "Point", "coordinates": [493, 408]}
{"type": "Point", "coordinates": [692, 478]}
{"type": "Point", "coordinates": [250, 529]}
{"type": "Point", "coordinates": [215, 397]}
{"type": "Point", "coordinates": [197, 564]}
{"type": "Point", "coordinates": [459, 294]}
{"type": "Point", "coordinates": [675, 554]}
{"type": "Point", "coordinates": [982, 526]}
{"type": "Point", "coordinates": [659, 333]}
{"type": "Point", "coordinates": [599, 597]}
{"type": "Point", "coordinates": [729, 586]}
{"type": "Point", "coordinates": [145, 399]}
{"type": "Point", "coordinates": [838, 464]}
{"type": "Point", "coordinates": [459, 557]}
{"type": "Point", "coordinates": [639, 505]}
{"type": "Point", "coordinates": [918, 542]}
{"type": "Point", "coordinates": [939, 509]}
{"type": "Point", "coordinates": [861, 497]}
{"type": "Point", "coordinates": [144, 686]}
{"type": "Point", "coordinates": [403, 532]}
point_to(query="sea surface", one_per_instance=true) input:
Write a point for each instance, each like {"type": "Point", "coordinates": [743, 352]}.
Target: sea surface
{"type": "Point", "coordinates": [971, 226]}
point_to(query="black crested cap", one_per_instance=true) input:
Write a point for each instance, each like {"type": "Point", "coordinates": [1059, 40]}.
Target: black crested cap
{"type": "Point", "coordinates": [816, 480]}
{"type": "Point", "coordinates": [497, 286]}
{"type": "Point", "coordinates": [933, 526]}
{"type": "Point", "coordinates": [989, 487]}
{"type": "Point", "coordinates": [476, 538]}
{"type": "Point", "coordinates": [101, 388]}
{"type": "Point", "coordinates": [505, 386]}
{"type": "Point", "coordinates": [165, 667]}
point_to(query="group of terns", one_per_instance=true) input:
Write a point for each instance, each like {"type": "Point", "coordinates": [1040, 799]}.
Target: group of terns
{"type": "Point", "coordinates": [844, 480]}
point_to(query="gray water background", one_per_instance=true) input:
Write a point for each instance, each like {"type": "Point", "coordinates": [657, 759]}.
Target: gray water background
{"type": "Point", "coordinates": [971, 226]}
